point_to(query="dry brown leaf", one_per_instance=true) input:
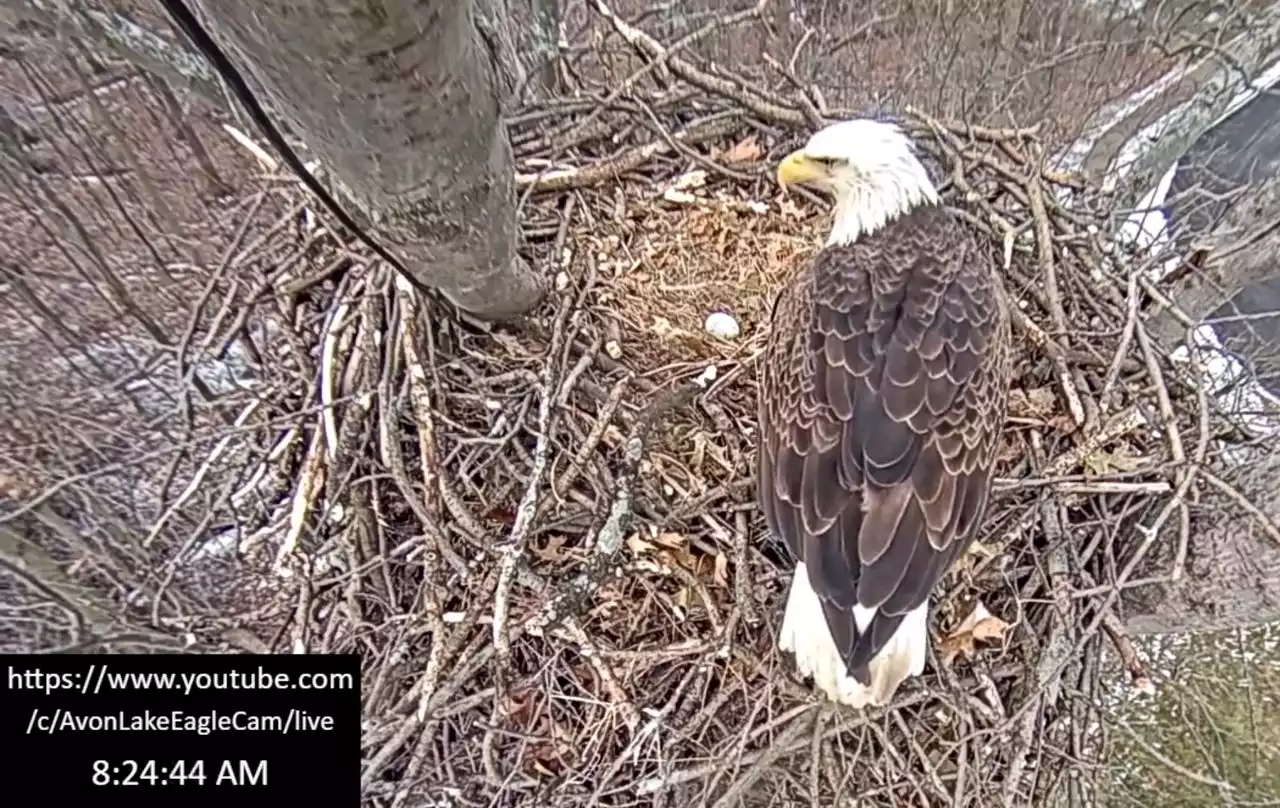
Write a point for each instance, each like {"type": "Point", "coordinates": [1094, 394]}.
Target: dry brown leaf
{"type": "Point", "coordinates": [979, 625]}
{"type": "Point", "coordinates": [693, 179]}
{"type": "Point", "coordinates": [638, 545]}
{"type": "Point", "coordinates": [699, 455]}
{"type": "Point", "coordinates": [681, 558]}
{"type": "Point", "coordinates": [613, 436]}
{"type": "Point", "coordinates": [550, 745]}
{"type": "Point", "coordinates": [672, 541]}
{"type": "Point", "coordinates": [790, 209]}
{"type": "Point", "coordinates": [990, 628]}
{"type": "Point", "coordinates": [674, 550]}
{"type": "Point", "coordinates": [1063, 423]}
{"type": "Point", "coordinates": [679, 197]}
{"type": "Point", "coordinates": [518, 706]}
{"type": "Point", "coordinates": [553, 550]}
{"type": "Point", "coordinates": [973, 557]}
{"type": "Point", "coordinates": [1036, 403]}
{"type": "Point", "coordinates": [721, 574]}
{"type": "Point", "coordinates": [1010, 450]}
{"type": "Point", "coordinates": [976, 615]}
{"type": "Point", "coordinates": [684, 596]}
{"type": "Point", "coordinates": [953, 646]}
{"type": "Point", "coordinates": [977, 548]}
{"type": "Point", "coordinates": [745, 151]}
{"type": "Point", "coordinates": [1100, 464]}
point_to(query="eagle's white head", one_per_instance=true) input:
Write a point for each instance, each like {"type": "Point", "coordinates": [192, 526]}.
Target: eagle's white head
{"type": "Point", "coordinates": [871, 169]}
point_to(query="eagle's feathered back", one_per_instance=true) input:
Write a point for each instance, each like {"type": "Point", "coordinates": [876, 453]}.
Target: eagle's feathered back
{"type": "Point", "coordinates": [882, 394]}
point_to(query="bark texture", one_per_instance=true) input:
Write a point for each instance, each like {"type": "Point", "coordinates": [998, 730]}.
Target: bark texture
{"type": "Point", "coordinates": [1241, 252]}
{"type": "Point", "coordinates": [1188, 100]}
{"type": "Point", "coordinates": [400, 99]}
{"type": "Point", "coordinates": [161, 52]}
{"type": "Point", "coordinates": [1225, 200]}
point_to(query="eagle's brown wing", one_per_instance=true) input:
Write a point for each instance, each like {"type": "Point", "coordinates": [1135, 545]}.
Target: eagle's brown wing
{"type": "Point", "coordinates": [883, 392]}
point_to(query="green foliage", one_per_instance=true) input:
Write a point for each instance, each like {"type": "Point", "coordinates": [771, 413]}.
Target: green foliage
{"type": "Point", "coordinates": [1211, 735]}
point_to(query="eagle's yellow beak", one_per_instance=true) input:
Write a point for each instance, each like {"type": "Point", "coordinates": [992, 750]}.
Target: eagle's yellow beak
{"type": "Point", "coordinates": [797, 168]}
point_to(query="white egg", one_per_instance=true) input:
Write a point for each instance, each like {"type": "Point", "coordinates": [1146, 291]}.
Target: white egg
{"type": "Point", "coordinates": [722, 325]}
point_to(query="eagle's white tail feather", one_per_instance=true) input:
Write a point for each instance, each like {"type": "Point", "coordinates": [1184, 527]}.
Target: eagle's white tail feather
{"type": "Point", "coordinates": [805, 634]}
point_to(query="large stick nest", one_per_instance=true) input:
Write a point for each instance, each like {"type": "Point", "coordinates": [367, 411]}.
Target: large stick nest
{"type": "Point", "coordinates": [583, 606]}
{"type": "Point", "coordinates": [542, 537]}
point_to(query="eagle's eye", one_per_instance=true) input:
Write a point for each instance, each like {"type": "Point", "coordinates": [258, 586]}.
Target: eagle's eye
{"type": "Point", "coordinates": [825, 161]}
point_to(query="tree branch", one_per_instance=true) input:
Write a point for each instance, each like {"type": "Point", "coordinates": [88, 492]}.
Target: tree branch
{"type": "Point", "coordinates": [143, 46]}
{"type": "Point", "coordinates": [1186, 102]}
{"type": "Point", "coordinates": [1242, 251]}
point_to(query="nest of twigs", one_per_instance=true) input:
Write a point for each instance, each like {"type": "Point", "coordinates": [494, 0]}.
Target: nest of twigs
{"type": "Point", "coordinates": [542, 536]}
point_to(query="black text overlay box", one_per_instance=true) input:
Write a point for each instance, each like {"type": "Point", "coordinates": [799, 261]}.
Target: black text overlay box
{"type": "Point", "coordinates": [179, 729]}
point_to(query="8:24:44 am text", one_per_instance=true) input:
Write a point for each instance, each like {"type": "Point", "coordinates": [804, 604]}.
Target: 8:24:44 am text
{"type": "Point", "coordinates": [179, 773]}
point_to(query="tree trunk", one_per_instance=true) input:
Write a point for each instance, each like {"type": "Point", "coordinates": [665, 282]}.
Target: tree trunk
{"type": "Point", "coordinates": [1232, 573]}
{"type": "Point", "coordinates": [526, 36]}
{"type": "Point", "coordinates": [129, 39]}
{"type": "Point", "coordinates": [1242, 251]}
{"type": "Point", "coordinates": [400, 101]}
{"type": "Point", "coordinates": [1189, 99]}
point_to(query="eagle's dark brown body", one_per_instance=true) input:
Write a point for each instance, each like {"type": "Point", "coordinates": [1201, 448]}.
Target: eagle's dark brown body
{"type": "Point", "coordinates": [882, 395]}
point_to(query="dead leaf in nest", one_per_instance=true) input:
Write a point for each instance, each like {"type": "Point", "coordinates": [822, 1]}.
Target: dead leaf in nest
{"type": "Point", "coordinates": [980, 550]}
{"type": "Point", "coordinates": [973, 557]}
{"type": "Point", "coordinates": [663, 329]}
{"type": "Point", "coordinates": [684, 597]}
{"type": "Point", "coordinates": [1010, 451]}
{"type": "Point", "coordinates": [682, 557]}
{"type": "Point", "coordinates": [1063, 423]}
{"type": "Point", "coordinates": [519, 706]}
{"type": "Point", "coordinates": [1101, 464]}
{"type": "Point", "coordinates": [752, 206]}
{"type": "Point", "coordinates": [613, 436]}
{"type": "Point", "coordinates": [721, 574]}
{"type": "Point", "coordinates": [1037, 403]}
{"type": "Point", "coordinates": [549, 749]}
{"type": "Point", "coordinates": [674, 549]}
{"type": "Point", "coordinates": [979, 625]}
{"type": "Point", "coordinates": [672, 541]}
{"type": "Point", "coordinates": [679, 197]}
{"type": "Point", "coordinates": [692, 179]}
{"type": "Point", "coordinates": [746, 150]}
{"type": "Point", "coordinates": [552, 550]}
{"type": "Point", "coordinates": [503, 514]}
{"type": "Point", "coordinates": [639, 546]}
{"type": "Point", "coordinates": [654, 540]}
{"type": "Point", "coordinates": [790, 209]}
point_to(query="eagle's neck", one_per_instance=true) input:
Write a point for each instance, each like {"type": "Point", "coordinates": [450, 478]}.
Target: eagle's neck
{"type": "Point", "coordinates": [880, 195]}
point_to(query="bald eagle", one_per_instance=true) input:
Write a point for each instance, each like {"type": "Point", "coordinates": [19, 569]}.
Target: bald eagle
{"type": "Point", "coordinates": [883, 389]}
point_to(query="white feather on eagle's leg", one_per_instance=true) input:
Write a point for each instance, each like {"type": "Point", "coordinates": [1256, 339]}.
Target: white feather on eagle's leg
{"type": "Point", "coordinates": [883, 390]}
{"type": "Point", "coordinates": [805, 635]}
